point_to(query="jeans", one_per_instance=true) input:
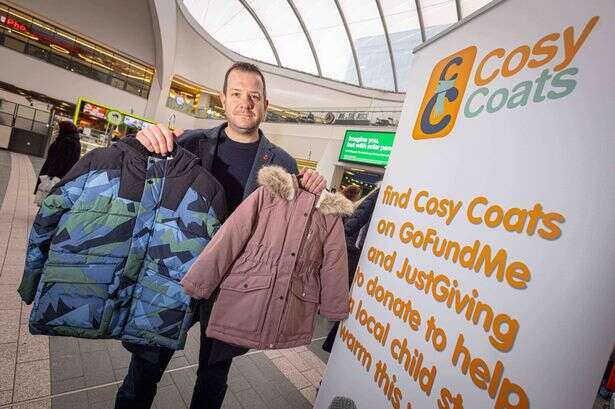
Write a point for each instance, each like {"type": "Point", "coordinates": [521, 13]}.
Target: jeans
{"type": "Point", "coordinates": [149, 363]}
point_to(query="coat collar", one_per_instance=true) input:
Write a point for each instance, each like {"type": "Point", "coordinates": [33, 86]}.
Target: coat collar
{"type": "Point", "coordinates": [139, 151]}
{"type": "Point", "coordinates": [285, 185]}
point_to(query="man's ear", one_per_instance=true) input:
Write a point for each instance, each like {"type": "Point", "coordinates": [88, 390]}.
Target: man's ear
{"type": "Point", "coordinates": [222, 98]}
{"type": "Point", "coordinates": [266, 104]}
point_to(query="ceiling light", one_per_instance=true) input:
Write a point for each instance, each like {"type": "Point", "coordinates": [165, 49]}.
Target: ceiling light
{"type": "Point", "coordinates": [59, 48]}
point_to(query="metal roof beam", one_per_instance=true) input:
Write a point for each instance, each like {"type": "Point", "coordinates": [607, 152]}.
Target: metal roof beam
{"type": "Point", "coordinates": [307, 35]}
{"type": "Point", "coordinates": [388, 38]}
{"type": "Point", "coordinates": [458, 6]}
{"type": "Point", "coordinates": [420, 15]}
{"type": "Point", "coordinates": [263, 29]}
{"type": "Point", "coordinates": [354, 52]}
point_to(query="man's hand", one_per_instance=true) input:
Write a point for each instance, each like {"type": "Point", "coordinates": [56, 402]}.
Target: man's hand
{"type": "Point", "coordinates": [312, 181]}
{"type": "Point", "coordinates": [158, 138]}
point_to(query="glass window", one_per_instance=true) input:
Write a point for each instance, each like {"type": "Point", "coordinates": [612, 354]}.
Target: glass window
{"type": "Point", "coordinates": [370, 43]}
{"type": "Point", "coordinates": [6, 119]}
{"type": "Point", "coordinates": [41, 116]}
{"type": "Point", "coordinates": [14, 43]}
{"type": "Point", "coordinates": [470, 6]}
{"type": "Point", "coordinates": [328, 34]}
{"type": "Point", "coordinates": [117, 83]}
{"type": "Point", "coordinates": [7, 106]}
{"type": "Point", "coordinates": [437, 15]}
{"type": "Point", "coordinates": [81, 67]}
{"type": "Point", "coordinates": [99, 74]}
{"type": "Point", "coordinates": [60, 60]}
{"type": "Point", "coordinates": [25, 112]}
{"type": "Point", "coordinates": [134, 73]}
{"type": "Point", "coordinates": [82, 50]}
{"type": "Point", "coordinates": [231, 24]}
{"type": "Point", "coordinates": [40, 128]}
{"type": "Point", "coordinates": [405, 33]}
{"type": "Point", "coordinates": [133, 88]}
{"type": "Point", "coordinates": [38, 52]}
{"type": "Point", "coordinates": [102, 60]}
{"type": "Point", "coordinates": [286, 33]}
{"type": "Point", "coordinates": [23, 123]}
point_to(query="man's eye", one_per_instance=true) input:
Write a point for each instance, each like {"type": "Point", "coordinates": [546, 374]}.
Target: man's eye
{"type": "Point", "coordinates": [256, 97]}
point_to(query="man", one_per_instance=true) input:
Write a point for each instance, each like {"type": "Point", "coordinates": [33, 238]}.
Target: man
{"type": "Point", "coordinates": [233, 152]}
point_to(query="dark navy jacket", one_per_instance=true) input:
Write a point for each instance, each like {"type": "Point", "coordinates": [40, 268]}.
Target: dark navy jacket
{"type": "Point", "coordinates": [204, 142]}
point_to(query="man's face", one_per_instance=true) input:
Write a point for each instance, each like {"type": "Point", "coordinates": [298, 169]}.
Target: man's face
{"type": "Point", "coordinates": [244, 102]}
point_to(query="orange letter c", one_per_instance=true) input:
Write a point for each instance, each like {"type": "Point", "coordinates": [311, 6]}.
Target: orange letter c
{"type": "Point", "coordinates": [498, 52]}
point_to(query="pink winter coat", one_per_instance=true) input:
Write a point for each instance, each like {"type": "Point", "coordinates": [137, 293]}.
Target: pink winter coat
{"type": "Point", "coordinates": [278, 259]}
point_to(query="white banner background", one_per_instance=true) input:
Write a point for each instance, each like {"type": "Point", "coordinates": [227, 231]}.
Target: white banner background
{"type": "Point", "coordinates": [559, 153]}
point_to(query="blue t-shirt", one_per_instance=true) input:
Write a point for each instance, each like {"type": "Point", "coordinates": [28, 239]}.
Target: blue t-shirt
{"type": "Point", "coordinates": [232, 165]}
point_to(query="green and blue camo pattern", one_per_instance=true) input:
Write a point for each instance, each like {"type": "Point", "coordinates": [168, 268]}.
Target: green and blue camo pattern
{"type": "Point", "coordinates": [108, 267]}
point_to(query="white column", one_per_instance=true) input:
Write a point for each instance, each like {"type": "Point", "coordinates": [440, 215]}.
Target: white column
{"type": "Point", "coordinates": [164, 21]}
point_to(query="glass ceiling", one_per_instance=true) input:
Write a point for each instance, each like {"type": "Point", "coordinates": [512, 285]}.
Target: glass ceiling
{"type": "Point", "coordinates": [361, 42]}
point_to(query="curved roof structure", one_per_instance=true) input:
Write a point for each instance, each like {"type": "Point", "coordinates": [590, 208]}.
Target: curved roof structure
{"type": "Point", "coordinates": [367, 43]}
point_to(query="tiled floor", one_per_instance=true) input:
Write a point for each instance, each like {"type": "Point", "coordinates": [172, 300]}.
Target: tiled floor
{"type": "Point", "coordinates": [57, 372]}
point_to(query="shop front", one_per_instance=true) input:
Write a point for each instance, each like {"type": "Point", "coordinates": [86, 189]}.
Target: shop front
{"type": "Point", "coordinates": [101, 125]}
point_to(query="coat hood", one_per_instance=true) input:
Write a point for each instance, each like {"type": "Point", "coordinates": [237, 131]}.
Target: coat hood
{"type": "Point", "coordinates": [285, 185]}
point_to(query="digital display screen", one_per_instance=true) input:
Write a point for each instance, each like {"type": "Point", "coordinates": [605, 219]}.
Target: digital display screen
{"type": "Point", "coordinates": [134, 122]}
{"type": "Point", "coordinates": [94, 110]}
{"type": "Point", "coordinates": [367, 147]}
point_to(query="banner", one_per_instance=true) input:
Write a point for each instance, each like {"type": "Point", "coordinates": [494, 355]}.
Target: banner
{"type": "Point", "coordinates": [488, 274]}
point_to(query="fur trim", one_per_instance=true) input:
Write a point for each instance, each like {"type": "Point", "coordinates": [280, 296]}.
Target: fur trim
{"type": "Point", "coordinates": [278, 180]}
{"type": "Point", "coordinates": [281, 183]}
{"type": "Point", "coordinates": [334, 203]}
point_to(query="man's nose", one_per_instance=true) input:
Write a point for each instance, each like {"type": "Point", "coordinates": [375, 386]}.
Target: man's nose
{"type": "Point", "coordinates": [246, 101]}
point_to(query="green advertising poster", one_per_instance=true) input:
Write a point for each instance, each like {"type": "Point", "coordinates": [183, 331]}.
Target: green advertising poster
{"type": "Point", "coordinates": [367, 147]}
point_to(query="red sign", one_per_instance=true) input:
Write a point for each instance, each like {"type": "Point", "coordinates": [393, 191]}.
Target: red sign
{"type": "Point", "coordinates": [13, 24]}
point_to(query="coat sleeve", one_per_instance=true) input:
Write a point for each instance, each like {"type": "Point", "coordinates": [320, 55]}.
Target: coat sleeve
{"type": "Point", "coordinates": [219, 255]}
{"type": "Point", "coordinates": [59, 200]}
{"type": "Point", "coordinates": [334, 297]}
{"type": "Point", "coordinates": [218, 207]}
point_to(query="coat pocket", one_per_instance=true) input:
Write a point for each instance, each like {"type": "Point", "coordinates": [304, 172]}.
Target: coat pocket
{"type": "Point", "coordinates": [160, 306]}
{"type": "Point", "coordinates": [75, 296]}
{"type": "Point", "coordinates": [242, 302]}
{"type": "Point", "coordinates": [302, 304]}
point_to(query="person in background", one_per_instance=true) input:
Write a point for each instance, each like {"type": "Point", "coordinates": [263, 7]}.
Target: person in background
{"type": "Point", "coordinates": [352, 193]}
{"type": "Point", "coordinates": [63, 153]}
{"type": "Point", "coordinates": [355, 230]}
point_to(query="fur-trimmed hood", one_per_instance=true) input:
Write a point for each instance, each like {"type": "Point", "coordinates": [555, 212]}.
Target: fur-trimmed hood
{"type": "Point", "coordinates": [285, 185]}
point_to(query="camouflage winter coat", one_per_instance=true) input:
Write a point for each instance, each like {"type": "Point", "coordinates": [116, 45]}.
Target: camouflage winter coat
{"type": "Point", "coordinates": [112, 241]}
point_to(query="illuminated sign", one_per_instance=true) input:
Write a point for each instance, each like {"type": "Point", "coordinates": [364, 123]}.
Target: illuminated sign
{"type": "Point", "coordinates": [368, 147]}
{"type": "Point", "coordinates": [13, 23]}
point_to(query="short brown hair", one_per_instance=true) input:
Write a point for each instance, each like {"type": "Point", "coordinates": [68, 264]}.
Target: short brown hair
{"type": "Point", "coordinates": [245, 67]}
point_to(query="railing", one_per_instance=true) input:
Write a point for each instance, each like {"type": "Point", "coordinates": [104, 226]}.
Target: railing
{"type": "Point", "coordinates": [349, 116]}
{"type": "Point", "coordinates": [336, 117]}
{"type": "Point", "coordinates": [24, 117]}
{"type": "Point", "coordinates": [27, 35]}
